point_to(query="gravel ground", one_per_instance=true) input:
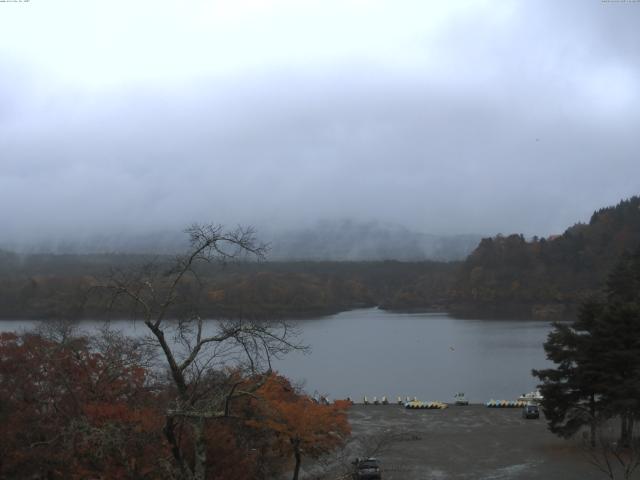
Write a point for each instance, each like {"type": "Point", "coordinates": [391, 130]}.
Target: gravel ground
{"type": "Point", "coordinates": [473, 442]}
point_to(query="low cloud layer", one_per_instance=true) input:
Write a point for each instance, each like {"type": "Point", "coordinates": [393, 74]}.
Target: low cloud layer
{"type": "Point", "coordinates": [480, 118]}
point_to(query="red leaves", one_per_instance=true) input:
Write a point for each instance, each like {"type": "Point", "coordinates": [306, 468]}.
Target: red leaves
{"type": "Point", "coordinates": [68, 413]}
{"type": "Point", "coordinates": [68, 410]}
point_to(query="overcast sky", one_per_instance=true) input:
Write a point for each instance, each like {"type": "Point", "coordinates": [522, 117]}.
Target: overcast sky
{"type": "Point", "coordinates": [443, 116]}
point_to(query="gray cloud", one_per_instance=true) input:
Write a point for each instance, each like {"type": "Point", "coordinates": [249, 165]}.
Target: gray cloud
{"type": "Point", "coordinates": [497, 119]}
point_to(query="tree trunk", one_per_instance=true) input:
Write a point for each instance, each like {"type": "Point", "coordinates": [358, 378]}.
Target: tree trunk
{"type": "Point", "coordinates": [624, 429]}
{"type": "Point", "coordinates": [200, 450]}
{"type": "Point", "coordinates": [628, 433]}
{"type": "Point", "coordinates": [593, 424]}
{"type": "Point", "coordinates": [298, 457]}
{"type": "Point", "coordinates": [169, 432]}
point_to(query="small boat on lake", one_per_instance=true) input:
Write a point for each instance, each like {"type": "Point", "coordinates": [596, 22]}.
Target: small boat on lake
{"type": "Point", "coordinates": [460, 399]}
{"type": "Point", "coordinates": [506, 403]}
{"type": "Point", "coordinates": [419, 405]}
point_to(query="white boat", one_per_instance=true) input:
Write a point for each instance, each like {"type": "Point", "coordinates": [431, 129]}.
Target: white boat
{"type": "Point", "coordinates": [532, 397]}
{"type": "Point", "coordinates": [460, 399]}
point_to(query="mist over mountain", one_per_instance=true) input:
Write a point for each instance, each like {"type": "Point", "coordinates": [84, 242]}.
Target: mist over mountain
{"type": "Point", "coordinates": [159, 242]}
{"type": "Point", "coordinates": [444, 117]}
{"type": "Point", "coordinates": [356, 241]}
{"type": "Point", "coordinates": [344, 240]}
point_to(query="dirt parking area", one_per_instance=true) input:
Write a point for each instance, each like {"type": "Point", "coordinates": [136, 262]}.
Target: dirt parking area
{"type": "Point", "coordinates": [472, 442]}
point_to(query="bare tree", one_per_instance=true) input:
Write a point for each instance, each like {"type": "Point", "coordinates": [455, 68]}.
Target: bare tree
{"type": "Point", "coordinates": [611, 457]}
{"type": "Point", "coordinates": [195, 351]}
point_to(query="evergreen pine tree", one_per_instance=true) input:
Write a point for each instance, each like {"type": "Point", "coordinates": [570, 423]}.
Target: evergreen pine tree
{"type": "Point", "coordinates": [597, 357]}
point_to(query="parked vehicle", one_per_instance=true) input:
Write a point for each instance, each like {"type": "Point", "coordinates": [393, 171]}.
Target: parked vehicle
{"type": "Point", "coordinates": [531, 411]}
{"type": "Point", "coordinates": [367, 469]}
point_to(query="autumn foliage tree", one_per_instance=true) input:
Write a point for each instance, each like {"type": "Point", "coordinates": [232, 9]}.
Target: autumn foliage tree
{"type": "Point", "coordinates": [299, 426]}
{"type": "Point", "coordinates": [73, 409]}
{"type": "Point", "coordinates": [78, 407]}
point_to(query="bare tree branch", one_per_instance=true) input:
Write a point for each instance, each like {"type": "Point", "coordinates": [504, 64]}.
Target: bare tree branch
{"type": "Point", "coordinates": [190, 356]}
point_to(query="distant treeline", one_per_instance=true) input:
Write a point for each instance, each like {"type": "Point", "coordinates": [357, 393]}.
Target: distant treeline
{"type": "Point", "coordinates": [505, 275]}
{"type": "Point", "coordinates": [53, 286]}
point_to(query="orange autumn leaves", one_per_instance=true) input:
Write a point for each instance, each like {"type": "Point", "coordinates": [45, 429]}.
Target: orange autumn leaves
{"type": "Point", "coordinates": [300, 425]}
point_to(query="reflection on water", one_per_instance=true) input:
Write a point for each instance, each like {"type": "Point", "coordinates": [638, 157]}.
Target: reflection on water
{"type": "Point", "coordinates": [431, 356]}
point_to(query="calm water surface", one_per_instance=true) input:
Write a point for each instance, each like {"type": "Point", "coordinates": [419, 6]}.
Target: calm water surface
{"type": "Point", "coordinates": [372, 352]}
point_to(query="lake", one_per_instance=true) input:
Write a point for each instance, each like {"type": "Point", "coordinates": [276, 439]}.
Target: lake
{"type": "Point", "coordinates": [428, 355]}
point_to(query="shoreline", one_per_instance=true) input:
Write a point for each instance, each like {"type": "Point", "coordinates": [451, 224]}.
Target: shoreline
{"type": "Point", "coordinates": [461, 443]}
{"type": "Point", "coordinates": [319, 313]}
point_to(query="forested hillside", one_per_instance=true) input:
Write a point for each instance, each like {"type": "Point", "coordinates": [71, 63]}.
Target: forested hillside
{"type": "Point", "coordinates": [505, 275]}
{"type": "Point", "coordinates": [546, 277]}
